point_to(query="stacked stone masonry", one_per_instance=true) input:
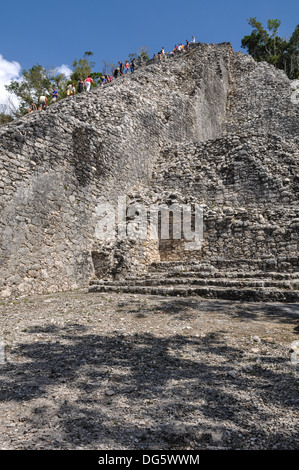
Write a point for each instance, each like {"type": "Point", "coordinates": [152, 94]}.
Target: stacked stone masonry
{"type": "Point", "coordinates": [208, 127]}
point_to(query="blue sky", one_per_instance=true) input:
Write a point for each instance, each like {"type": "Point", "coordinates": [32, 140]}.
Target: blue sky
{"type": "Point", "coordinates": [54, 33]}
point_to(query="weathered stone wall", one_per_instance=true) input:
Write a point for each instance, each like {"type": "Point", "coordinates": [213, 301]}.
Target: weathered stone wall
{"type": "Point", "coordinates": [210, 107]}
{"type": "Point", "coordinates": [248, 186]}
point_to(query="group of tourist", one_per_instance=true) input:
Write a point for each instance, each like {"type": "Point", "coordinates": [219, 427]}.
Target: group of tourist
{"type": "Point", "coordinates": [70, 90]}
{"type": "Point", "coordinates": [119, 71]}
{"type": "Point", "coordinates": [176, 50]}
{"type": "Point", "coordinates": [123, 69]}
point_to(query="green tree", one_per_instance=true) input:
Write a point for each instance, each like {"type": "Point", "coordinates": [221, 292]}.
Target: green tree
{"type": "Point", "coordinates": [95, 76]}
{"type": "Point", "coordinates": [33, 83]}
{"type": "Point", "coordinates": [292, 55]}
{"type": "Point", "coordinates": [132, 56]}
{"type": "Point", "coordinates": [143, 53]}
{"type": "Point", "coordinates": [265, 44]}
{"type": "Point", "coordinates": [82, 67]}
{"type": "Point", "coordinates": [5, 118]}
{"type": "Point", "coordinates": [60, 82]}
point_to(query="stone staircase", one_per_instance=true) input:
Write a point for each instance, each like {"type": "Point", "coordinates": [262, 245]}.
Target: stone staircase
{"type": "Point", "coordinates": [223, 281]}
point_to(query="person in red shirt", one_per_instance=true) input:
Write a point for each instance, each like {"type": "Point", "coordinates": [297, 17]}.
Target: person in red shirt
{"type": "Point", "coordinates": [127, 66]}
{"type": "Point", "coordinates": [87, 83]}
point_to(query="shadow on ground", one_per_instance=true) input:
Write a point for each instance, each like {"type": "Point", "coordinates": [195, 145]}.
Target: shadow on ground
{"type": "Point", "coordinates": [143, 391]}
{"type": "Point", "coordinates": [184, 308]}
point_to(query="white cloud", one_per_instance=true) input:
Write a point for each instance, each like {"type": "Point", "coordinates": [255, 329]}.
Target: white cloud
{"type": "Point", "coordinates": [8, 71]}
{"type": "Point", "coordinates": [64, 69]}
{"type": "Point", "coordinates": [12, 71]}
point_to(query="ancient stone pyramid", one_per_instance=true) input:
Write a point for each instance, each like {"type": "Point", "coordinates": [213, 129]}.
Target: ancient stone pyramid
{"type": "Point", "coordinates": [208, 128]}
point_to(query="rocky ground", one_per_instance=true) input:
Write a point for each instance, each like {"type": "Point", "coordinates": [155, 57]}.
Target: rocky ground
{"type": "Point", "coordinates": [120, 371]}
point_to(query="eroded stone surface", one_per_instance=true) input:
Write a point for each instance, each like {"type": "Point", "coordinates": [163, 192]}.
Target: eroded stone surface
{"type": "Point", "coordinates": [210, 127]}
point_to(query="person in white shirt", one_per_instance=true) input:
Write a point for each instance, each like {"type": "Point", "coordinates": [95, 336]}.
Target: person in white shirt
{"type": "Point", "coordinates": [70, 90]}
{"type": "Point", "coordinates": [42, 102]}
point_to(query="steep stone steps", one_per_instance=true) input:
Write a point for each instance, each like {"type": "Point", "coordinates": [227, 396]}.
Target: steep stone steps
{"type": "Point", "coordinates": [226, 293]}
{"type": "Point", "coordinates": [221, 274]}
{"type": "Point", "coordinates": [191, 282]}
{"type": "Point", "coordinates": [282, 265]}
{"type": "Point", "coordinates": [189, 279]}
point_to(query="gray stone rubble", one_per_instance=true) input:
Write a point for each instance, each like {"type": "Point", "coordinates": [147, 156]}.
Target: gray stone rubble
{"type": "Point", "coordinates": [210, 127]}
{"type": "Point", "coordinates": [153, 346]}
{"type": "Point", "coordinates": [129, 372]}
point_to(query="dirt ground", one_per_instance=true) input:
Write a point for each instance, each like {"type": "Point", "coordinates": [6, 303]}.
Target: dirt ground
{"type": "Point", "coordinates": [121, 371]}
